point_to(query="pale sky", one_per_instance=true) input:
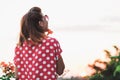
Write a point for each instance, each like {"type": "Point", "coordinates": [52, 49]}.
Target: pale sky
{"type": "Point", "coordinates": [65, 13]}
{"type": "Point", "coordinates": [86, 22]}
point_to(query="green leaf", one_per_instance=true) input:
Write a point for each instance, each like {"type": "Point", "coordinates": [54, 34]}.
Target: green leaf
{"type": "Point", "coordinates": [116, 70]}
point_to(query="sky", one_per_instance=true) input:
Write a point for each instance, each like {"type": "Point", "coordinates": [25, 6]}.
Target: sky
{"type": "Point", "coordinates": [83, 27]}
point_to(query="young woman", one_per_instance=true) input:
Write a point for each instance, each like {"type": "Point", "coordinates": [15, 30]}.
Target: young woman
{"type": "Point", "coordinates": [37, 55]}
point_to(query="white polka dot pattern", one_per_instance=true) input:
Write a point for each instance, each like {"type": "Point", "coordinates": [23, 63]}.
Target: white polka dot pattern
{"type": "Point", "coordinates": [38, 62]}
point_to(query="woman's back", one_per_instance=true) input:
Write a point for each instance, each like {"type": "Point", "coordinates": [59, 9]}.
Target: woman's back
{"type": "Point", "coordinates": [37, 62]}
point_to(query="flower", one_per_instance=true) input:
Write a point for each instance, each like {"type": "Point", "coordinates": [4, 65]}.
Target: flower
{"type": "Point", "coordinates": [49, 31]}
{"type": "Point", "coordinates": [8, 70]}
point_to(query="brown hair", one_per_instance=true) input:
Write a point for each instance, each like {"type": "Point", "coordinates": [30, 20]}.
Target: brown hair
{"type": "Point", "coordinates": [30, 27]}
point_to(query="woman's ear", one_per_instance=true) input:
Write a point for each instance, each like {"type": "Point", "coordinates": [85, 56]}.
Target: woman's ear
{"type": "Point", "coordinates": [41, 23]}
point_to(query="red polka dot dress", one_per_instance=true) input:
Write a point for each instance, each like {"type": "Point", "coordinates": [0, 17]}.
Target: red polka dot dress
{"type": "Point", "coordinates": [38, 62]}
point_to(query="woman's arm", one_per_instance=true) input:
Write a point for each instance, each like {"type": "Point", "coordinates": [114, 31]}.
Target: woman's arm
{"type": "Point", "coordinates": [60, 66]}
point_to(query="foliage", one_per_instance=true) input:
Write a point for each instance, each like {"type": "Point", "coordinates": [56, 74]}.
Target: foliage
{"type": "Point", "coordinates": [112, 67]}
{"type": "Point", "coordinates": [8, 71]}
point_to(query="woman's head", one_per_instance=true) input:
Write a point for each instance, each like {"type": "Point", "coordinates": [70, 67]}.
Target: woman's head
{"type": "Point", "coordinates": [33, 26]}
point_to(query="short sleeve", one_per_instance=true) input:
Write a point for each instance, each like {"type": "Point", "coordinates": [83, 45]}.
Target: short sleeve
{"type": "Point", "coordinates": [58, 49]}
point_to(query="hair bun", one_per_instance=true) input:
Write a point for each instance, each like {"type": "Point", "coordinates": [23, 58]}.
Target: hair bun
{"type": "Point", "coordinates": [35, 9]}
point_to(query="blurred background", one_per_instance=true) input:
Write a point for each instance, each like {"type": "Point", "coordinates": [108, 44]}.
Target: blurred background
{"type": "Point", "coordinates": [84, 28]}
